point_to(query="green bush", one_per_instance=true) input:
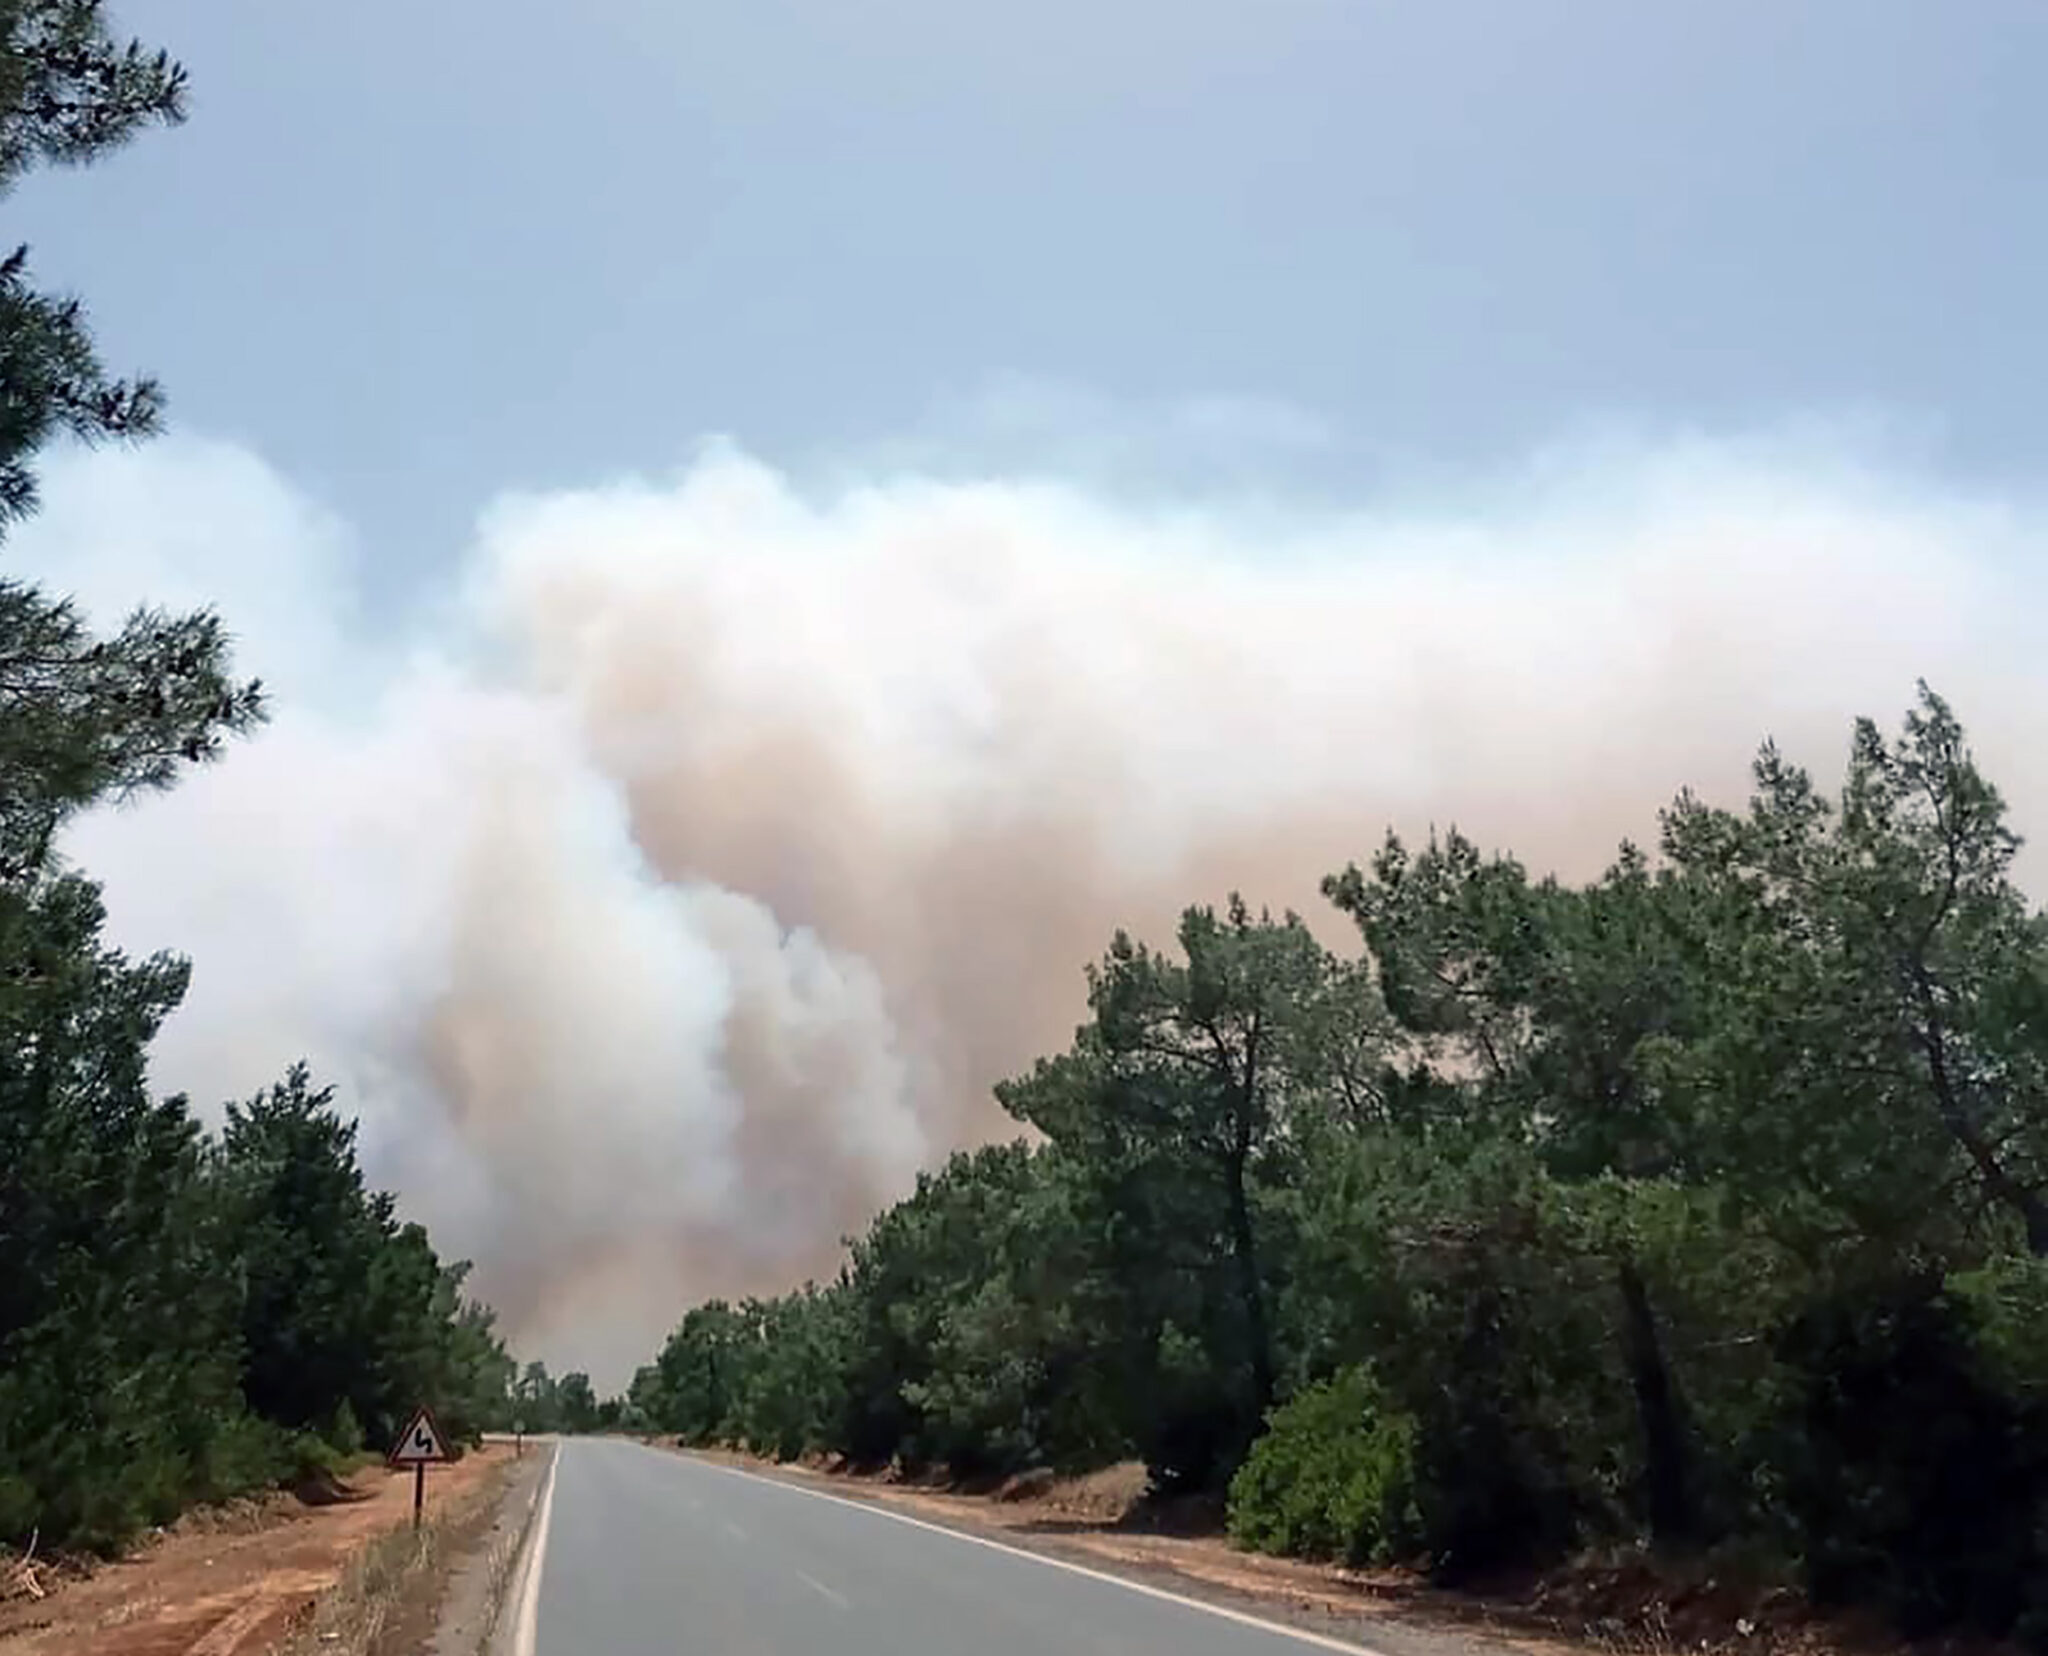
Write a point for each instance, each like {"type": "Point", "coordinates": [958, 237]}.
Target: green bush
{"type": "Point", "coordinates": [1919, 1484]}
{"type": "Point", "coordinates": [248, 1454]}
{"type": "Point", "coordinates": [155, 1488]}
{"type": "Point", "coordinates": [245, 1454]}
{"type": "Point", "coordinates": [345, 1433]}
{"type": "Point", "coordinates": [18, 1504]}
{"type": "Point", "coordinates": [1333, 1477]}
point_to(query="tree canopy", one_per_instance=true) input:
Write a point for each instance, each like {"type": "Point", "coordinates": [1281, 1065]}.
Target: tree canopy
{"type": "Point", "coordinates": [1699, 1203]}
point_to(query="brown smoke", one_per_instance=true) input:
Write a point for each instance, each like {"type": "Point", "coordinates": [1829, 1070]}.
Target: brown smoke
{"type": "Point", "coordinates": [664, 953]}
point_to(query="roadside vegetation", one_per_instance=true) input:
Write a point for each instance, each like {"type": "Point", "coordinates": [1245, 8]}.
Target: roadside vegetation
{"type": "Point", "coordinates": [183, 1315]}
{"type": "Point", "coordinates": [1700, 1209]}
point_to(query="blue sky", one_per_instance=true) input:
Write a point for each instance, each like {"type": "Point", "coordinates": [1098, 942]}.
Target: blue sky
{"type": "Point", "coordinates": [415, 255]}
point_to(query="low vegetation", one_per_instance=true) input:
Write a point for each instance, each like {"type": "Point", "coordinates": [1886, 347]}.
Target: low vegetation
{"type": "Point", "coordinates": [1699, 1208]}
{"type": "Point", "coordinates": [1333, 1476]}
{"type": "Point", "coordinates": [353, 1617]}
{"type": "Point", "coordinates": [395, 1588]}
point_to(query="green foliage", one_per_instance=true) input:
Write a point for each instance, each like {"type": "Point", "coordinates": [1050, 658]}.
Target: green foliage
{"type": "Point", "coordinates": [99, 719]}
{"type": "Point", "coordinates": [348, 1318]}
{"type": "Point", "coordinates": [1333, 1477]}
{"type": "Point", "coordinates": [536, 1400]}
{"type": "Point", "coordinates": [1700, 1203]}
{"type": "Point", "coordinates": [69, 91]}
{"type": "Point", "coordinates": [249, 1453]}
{"type": "Point", "coordinates": [2005, 1302]}
{"type": "Point", "coordinates": [179, 1319]}
{"type": "Point", "coordinates": [1915, 1482]}
{"type": "Point", "coordinates": [310, 1241]}
{"type": "Point", "coordinates": [68, 94]}
{"type": "Point", "coordinates": [695, 1385]}
{"type": "Point", "coordinates": [112, 1308]}
{"type": "Point", "coordinates": [786, 1406]}
{"type": "Point", "coordinates": [1176, 1112]}
{"type": "Point", "coordinates": [344, 1433]}
{"type": "Point", "coordinates": [576, 1403]}
{"type": "Point", "coordinates": [967, 1309]}
{"type": "Point", "coordinates": [182, 1320]}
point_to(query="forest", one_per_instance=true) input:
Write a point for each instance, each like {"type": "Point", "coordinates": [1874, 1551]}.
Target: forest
{"type": "Point", "coordinates": [1698, 1209]}
{"type": "Point", "coordinates": [184, 1314]}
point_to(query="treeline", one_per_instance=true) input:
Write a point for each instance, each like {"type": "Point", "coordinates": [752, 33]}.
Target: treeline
{"type": "Point", "coordinates": [182, 1315]}
{"type": "Point", "coordinates": [541, 1403]}
{"type": "Point", "coordinates": [185, 1317]}
{"type": "Point", "coordinates": [1701, 1207]}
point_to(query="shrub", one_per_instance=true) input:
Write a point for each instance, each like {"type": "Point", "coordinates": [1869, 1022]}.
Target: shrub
{"type": "Point", "coordinates": [345, 1433]}
{"type": "Point", "coordinates": [248, 1454]}
{"type": "Point", "coordinates": [1333, 1477]}
{"type": "Point", "coordinates": [1917, 1481]}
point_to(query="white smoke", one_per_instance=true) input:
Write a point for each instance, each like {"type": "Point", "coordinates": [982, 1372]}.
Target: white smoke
{"type": "Point", "coordinates": [672, 894]}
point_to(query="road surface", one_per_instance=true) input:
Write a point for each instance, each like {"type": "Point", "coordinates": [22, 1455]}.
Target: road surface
{"type": "Point", "coordinates": [642, 1552]}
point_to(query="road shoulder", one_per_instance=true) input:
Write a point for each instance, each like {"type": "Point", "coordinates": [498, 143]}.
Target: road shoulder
{"type": "Point", "coordinates": [472, 1606]}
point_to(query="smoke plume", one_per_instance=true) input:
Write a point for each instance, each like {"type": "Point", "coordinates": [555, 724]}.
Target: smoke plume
{"type": "Point", "coordinates": [674, 888]}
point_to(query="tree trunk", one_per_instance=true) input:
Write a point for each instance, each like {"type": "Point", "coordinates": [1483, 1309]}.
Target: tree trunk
{"type": "Point", "coordinates": [1667, 1481]}
{"type": "Point", "coordinates": [1245, 1250]}
{"type": "Point", "coordinates": [1243, 1245]}
{"type": "Point", "coordinates": [1999, 1184]}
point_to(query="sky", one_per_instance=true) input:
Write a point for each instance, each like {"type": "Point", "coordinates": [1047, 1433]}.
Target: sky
{"type": "Point", "coordinates": [418, 254]}
{"type": "Point", "coordinates": [774, 529]}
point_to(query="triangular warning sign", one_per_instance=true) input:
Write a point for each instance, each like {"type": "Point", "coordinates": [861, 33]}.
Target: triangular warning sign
{"type": "Point", "coordinates": [421, 1441]}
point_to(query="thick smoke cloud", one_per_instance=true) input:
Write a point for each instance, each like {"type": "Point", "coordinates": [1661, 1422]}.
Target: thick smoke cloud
{"type": "Point", "coordinates": [672, 891]}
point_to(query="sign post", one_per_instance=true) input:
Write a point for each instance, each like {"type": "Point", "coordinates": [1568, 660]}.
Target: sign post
{"type": "Point", "coordinates": [419, 1445]}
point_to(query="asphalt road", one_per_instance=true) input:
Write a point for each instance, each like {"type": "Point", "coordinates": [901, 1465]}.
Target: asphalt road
{"type": "Point", "coordinates": [641, 1552]}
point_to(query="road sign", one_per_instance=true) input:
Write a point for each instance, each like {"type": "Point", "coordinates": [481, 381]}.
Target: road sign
{"type": "Point", "coordinates": [418, 1445]}
{"type": "Point", "coordinates": [420, 1442]}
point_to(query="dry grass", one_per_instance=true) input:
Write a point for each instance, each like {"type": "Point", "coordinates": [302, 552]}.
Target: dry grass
{"type": "Point", "coordinates": [352, 1616]}
{"type": "Point", "coordinates": [389, 1588]}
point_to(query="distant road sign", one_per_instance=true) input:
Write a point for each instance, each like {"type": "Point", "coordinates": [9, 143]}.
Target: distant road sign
{"type": "Point", "coordinates": [420, 1442]}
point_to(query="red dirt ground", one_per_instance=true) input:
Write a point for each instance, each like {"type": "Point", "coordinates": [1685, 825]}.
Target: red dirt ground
{"type": "Point", "coordinates": [229, 1582]}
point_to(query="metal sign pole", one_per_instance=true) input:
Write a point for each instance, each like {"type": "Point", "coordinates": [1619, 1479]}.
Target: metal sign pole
{"type": "Point", "coordinates": [419, 1490]}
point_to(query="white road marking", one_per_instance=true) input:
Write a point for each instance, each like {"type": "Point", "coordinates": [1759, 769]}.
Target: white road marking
{"type": "Point", "coordinates": [1322, 1641]}
{"type": "Point", "coordinates": [821, 1589]}
{"type": "Point", "coordinates": [523, 1624]}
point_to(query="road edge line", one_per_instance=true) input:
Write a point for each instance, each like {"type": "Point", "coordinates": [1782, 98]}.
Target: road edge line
{"type": "Point", "coordinates": [503, 1563]}
{"type": "Point", "coordinates": [1323, 1641]}
{"type": "Point", "coordinates": [527, 1592]}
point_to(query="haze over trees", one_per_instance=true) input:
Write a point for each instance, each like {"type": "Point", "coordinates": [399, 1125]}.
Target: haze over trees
{"type": "Point", "coordinates": [182, 1316]}
{"type": "Point", "coordinates": [1699, 1206]}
